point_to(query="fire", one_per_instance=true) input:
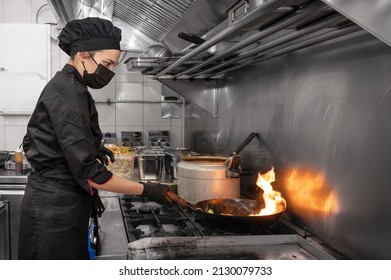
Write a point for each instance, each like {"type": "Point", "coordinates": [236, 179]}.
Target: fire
{"type": "Point", "coordinates": [308, 189]}
{"type": "Point", "coordinates": [274, 202]}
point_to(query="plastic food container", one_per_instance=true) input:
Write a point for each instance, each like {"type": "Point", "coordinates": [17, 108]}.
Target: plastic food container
{"type": "Point", "coordinates": [123, 166]}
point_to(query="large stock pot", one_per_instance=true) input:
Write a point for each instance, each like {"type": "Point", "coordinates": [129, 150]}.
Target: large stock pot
{"type": "Point", "coordinates": [201, 178]}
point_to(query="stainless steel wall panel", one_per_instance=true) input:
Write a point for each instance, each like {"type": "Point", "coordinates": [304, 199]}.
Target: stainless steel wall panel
{"type": "Point", "coordinates": [325, 113]}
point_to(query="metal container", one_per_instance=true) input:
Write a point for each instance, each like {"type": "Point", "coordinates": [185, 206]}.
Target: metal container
{"type": "Point", "coordinates": [150, 165]}
{"type": "Point", "coordinates": [205, 179]}
{"type": "Point", "coordinates": [171, 160]}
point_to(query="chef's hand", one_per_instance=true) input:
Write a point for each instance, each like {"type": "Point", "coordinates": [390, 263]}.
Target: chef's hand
{"type": "Point", "coordinates": [103, 154]}
{"type": "Point", "coordinates": [157, 192]}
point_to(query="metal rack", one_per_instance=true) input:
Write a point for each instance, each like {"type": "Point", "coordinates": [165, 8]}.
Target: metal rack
{"type": "Point", "coordinates": [272, 29]}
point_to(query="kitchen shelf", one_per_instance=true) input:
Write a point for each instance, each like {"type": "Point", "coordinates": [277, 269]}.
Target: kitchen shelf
{"type": "Point", "coordinates": [272, 29]}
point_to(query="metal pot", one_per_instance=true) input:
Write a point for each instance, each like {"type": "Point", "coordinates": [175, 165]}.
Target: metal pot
{"type": "Point", "coordinates": [204, 178]}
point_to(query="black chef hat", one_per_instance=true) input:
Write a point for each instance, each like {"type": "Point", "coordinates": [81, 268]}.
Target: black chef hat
{"type": "Point", "coordinates": [89, 34]}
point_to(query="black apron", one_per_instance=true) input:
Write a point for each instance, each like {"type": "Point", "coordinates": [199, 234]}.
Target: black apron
{"type": "Point", "coordinates": [54, 220]}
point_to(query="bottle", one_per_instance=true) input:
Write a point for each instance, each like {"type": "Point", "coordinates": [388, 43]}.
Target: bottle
{"type": "Point", "coordinates": [18, 161]}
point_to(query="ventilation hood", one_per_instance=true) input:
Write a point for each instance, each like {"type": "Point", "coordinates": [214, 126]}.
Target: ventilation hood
{"type": "Point", "coordinates": [147, 22]}
{"type": "Point", "coordinates": [222, 36]}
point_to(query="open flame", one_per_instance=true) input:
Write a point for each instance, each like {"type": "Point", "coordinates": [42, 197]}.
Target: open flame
{"type": "Point", "coordinates": [274, 202]}
{"type": "Point", "coordinates": [309, 190]}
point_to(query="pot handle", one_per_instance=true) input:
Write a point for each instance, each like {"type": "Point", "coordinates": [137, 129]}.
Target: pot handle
{"type": "Point", "coordinates": [245, 142]}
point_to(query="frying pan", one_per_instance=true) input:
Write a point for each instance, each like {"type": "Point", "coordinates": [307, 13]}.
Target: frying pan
{"type": "Point", "coordinates": [230, 214]}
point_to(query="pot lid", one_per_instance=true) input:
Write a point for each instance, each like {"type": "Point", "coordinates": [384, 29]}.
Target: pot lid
{"type": "Point", "coordinates": [205, 159]}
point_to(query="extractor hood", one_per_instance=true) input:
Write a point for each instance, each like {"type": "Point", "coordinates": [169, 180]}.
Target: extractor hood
{"type": "Point", "coordinates": [227, 34]}
{"type": "Point", "coordinates": [147, 22]}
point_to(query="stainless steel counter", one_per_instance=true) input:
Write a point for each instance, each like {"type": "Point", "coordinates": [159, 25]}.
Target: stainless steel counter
{"type": "Point", "coordinates": [10, 177]}
{"type": "Point", "coordinates": [255, 247]}
{"type": "Point", "coordinates": [112, 234]}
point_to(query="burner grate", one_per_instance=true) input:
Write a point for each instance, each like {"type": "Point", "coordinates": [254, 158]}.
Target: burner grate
{"type": "Point", "coordinates": [148, 219]}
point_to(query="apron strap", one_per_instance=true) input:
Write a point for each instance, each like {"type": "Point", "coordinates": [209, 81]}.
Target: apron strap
{"type": "Point", "coordinates": [97, 206]}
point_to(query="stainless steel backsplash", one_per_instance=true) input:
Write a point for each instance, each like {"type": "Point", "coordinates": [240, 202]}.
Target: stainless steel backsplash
{"type": "Point", "coordinates": [324, 120]}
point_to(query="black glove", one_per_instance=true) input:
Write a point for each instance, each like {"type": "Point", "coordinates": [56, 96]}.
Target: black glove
{"type": "Point", "coordinates": [103, 154]}
{"type": "Point", "coordinates": [157, 192]}
{"type": "Point", "coordinates": [26, 144]}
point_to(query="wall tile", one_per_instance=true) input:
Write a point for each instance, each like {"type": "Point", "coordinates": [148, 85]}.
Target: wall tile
{"type": "Point", "coordinates": [16, 120]}
{"type": "Point", "coordinates": [17, 11]}
{"type": "Point", "coordinates": [2, 133]}
{"type": "Point", "coordinates": [106, 114]}
{"type": "Point", "coordinates": [55, 58]}
{"type": "Point", "coordinates": [119, 129]}
{"type": "Point", "coordinates": [177, 122]}
{"type": "Point", "coordinates": [104, 93]}
{"type": "Point", "coordinates": [176, 137]}
{"type": "Point", "coordinates": [13, 136]}
{"type": "Point", "coordinates": [153, 116]}
{"type": "Point", "coordinates": [1, 11]}
{"type": "Point", "coordinates": [129, 91]}
{"type": "Point", "coordinates": [45, 14]}
{"type": "Point", "coordinates": [129, 114]}
{"type": "Point", "coordinates": [152, 92]}
{"type": "Point", "coordinates": [128, 77]}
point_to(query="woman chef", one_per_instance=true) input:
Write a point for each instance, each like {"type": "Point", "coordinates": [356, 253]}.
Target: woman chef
{"type": "Point", "coordinates": [63, 145]}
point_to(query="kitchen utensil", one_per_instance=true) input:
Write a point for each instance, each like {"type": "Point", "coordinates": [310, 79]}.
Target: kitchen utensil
{"type": "Point", "coordinates": [171, 159]}
{"type": "Point", "coordinates": [233, 215]}
{"type": "Point", "coordinates": [201, 178]}
{"type": "Point", "coordinates": [150, 165]}
{"type": "Point", "coordinates": [233, 162]}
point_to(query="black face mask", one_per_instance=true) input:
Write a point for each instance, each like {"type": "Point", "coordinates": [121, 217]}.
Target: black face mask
{"type": "Point", "coordinates": [100, 78]}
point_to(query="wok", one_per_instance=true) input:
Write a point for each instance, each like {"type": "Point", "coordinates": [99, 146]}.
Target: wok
{"type": "Point", "coordinates": [230, 214]}
{"type": "Point", "coordinates": [233, 215]}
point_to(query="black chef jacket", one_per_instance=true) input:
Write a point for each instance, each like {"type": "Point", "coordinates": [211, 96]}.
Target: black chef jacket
{"type": "Point", "coordinates": [64, 138]}
{"type": "Point", "coordinates": [64, 133]}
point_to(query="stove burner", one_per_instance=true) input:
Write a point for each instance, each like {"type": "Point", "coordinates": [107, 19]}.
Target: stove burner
{"type": "Point", "coordinates": [148, 219]}
{"type": "Point", "coordinates": [145, 209]}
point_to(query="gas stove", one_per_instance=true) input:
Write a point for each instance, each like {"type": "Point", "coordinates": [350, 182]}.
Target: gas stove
{"type": "Point", "coordinates": [154, 231]}
{"type": "Point", "coordinates": [145, 219]}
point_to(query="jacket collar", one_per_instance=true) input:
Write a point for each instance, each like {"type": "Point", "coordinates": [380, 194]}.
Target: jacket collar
{"type": "Point", "coordinates": [71, 70]}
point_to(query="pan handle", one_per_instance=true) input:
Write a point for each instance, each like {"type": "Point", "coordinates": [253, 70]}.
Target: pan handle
{"type": "Point", "coordinates": [245, 142]}
{"type": "Point", "coordinates": [179, 200]}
